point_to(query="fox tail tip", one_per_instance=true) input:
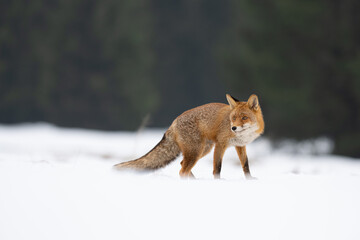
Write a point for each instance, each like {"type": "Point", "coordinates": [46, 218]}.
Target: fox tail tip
{"type": "Point", "coordinates": [117, 166]}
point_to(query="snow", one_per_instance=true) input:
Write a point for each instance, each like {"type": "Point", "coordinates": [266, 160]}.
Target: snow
{"type": "Point", "coordinates": [58, 183]}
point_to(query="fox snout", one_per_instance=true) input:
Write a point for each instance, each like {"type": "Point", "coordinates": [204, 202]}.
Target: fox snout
{"type": "Point", "coordinates": [237, 128]}
{"type": "Point", "coordinates": [246, 126]}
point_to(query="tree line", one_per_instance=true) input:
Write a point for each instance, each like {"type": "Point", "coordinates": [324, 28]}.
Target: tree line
{"type": "Point", "coordinates": [109, 64]}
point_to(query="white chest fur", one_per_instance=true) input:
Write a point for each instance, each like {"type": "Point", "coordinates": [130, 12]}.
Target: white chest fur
{"type": "Point", "coordinates": [244, 136]}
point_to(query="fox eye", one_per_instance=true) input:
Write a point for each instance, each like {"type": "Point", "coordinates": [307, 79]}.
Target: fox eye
{"type": "Point", "coordinates": [233, 118]}
{"type": "Point", "coordinates": [244, 118]}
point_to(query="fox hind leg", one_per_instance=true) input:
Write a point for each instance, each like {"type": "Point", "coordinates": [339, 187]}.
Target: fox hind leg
{"type": "Point", "coordinates": [191, 156]}
{"type": "Point", "coordinates": [193, 146]}
{"type": "Point", "coordinates": [187, 164]}
{"type": "Point", "coordinates": [182, 171]}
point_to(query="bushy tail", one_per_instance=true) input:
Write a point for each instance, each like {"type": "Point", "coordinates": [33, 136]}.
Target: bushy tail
{"type": "Point", "coordinates": [161, 155]}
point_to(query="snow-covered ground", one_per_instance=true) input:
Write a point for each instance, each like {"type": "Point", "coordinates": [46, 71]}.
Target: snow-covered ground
{"type": "Point", "coordinates": [58, 183]}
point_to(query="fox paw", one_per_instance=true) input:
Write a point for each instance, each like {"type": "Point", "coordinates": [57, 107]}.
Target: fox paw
{"type": "Point", "coordinates": [249, 177]}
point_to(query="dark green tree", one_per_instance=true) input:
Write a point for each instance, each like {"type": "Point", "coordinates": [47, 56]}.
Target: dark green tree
{"type": "Point", "coordinates": [185, 41]}
{"type": "Point", "coordinates": [77, 63]}
{"type": "Point", "coordinates": [303, 59]}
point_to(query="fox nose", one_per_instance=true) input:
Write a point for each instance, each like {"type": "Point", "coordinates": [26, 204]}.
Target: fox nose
{"type": "Point", "coordinates": [233, 128]}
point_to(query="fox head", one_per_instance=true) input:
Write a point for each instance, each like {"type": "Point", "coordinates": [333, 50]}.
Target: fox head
{"type": "Point", "coordinates": [246, 117]}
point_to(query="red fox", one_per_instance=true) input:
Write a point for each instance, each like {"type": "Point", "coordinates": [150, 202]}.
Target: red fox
{"type": "Point", "coordinates": [196, 131]}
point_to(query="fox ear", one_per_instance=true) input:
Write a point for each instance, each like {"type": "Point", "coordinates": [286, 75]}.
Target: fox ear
{"type": "Point", "coordinates": [253, 102]}
{"type": "Point", "coordinates": [232, 101]}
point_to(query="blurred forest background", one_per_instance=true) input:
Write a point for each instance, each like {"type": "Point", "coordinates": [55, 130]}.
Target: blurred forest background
{"type": "Point", "coordinates": [110, 64]}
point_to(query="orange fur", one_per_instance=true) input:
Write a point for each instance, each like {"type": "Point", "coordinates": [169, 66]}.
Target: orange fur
{"type": "Point", "coordinates": [196, 131]}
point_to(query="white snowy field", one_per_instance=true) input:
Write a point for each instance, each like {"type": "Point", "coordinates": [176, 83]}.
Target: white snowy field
{"type": "Point", "coordinates": [58, 183]}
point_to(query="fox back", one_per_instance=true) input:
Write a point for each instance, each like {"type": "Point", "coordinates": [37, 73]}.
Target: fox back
{"type": "Point", "coordinates": [237, 124]}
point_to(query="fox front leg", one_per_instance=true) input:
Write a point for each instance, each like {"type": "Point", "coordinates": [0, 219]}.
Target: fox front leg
{"type": "Point", "coordinates": [218, 155]}
{"type": "Point", "coordinates": [241, 151]}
